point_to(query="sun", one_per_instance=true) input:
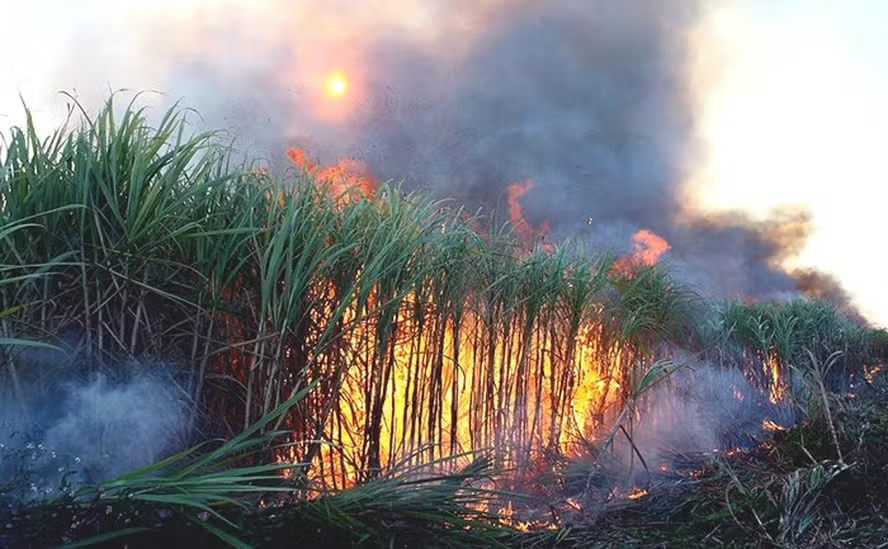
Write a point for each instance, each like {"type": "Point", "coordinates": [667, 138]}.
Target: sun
{"type": "Point", "coordinates": [337, 85]}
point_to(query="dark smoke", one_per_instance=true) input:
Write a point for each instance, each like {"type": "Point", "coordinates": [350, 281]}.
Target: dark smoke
{"type": "Point", "coordinates": [817, 285]}
{"type": "Point", "coordinates": [590, 99]}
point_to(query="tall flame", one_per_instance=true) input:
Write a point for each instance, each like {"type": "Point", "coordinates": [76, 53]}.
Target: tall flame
{"type": "Point", "coordinates": [543, 388]}
{"type": "Point", "coordinates": [422, 380]}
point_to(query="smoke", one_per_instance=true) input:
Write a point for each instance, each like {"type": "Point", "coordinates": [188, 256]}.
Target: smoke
{"type": "Point", "coordinates": [707, 408]}
{"type": "Point", "coordinates": [818, 285]}
{"type": "Point", "coordinates": [699, 410]}
{"type": "Point", "coordinates": [87, 428]}
{"type": "Point", "coordinates": [592, 101]}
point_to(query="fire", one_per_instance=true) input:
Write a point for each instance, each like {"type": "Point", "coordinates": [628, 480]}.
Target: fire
{"type": "Point", "coordinates": [474, 406]}
{"type": "Point", "coordinates": [507, 517]}
{"type": "Point", "coordinates": [527, 233]}
{"type": "Point", "coordinates": [776, 383]}
{"type": "Point", "coordinates": [337, 85]}
{"type": "Point", "coordinates": [647, 248]}
{"type": "Point", "coordinates": [506, 513]}
{"type": "Point", "coordinates": [771, 426]}
{"type": "Point", "coordinates": [347, 179]}
{"type": "Point", "coordinates": [415, 400]}
{"type": "Point", "coordinates": [870, 373]}
{"type": "Point", "coordinates": [418, 380]}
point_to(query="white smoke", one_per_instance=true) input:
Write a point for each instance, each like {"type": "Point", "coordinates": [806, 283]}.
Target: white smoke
{"type": "Point", "coordinates": [704, 409]}
{"type": "Point", "coordinates": [88, 429]}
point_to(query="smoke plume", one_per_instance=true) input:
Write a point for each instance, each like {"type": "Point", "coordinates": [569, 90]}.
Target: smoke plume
{"type": "Point", "coordinates": [590, 100]}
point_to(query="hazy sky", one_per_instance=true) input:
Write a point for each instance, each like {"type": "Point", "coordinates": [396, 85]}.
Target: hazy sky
{"type": "Point", "coordinates": [800, 117]}
{"type": "Point", "coordinates": [793, 109]}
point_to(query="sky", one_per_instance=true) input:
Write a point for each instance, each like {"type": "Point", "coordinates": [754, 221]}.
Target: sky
{"type": "Point", "coordinates": [799, 117]}
{"type": "Point", "coordinates": [790, 104]}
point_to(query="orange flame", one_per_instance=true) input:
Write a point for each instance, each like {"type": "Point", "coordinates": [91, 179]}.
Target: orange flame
{"type": "Point", "coordinates": [870, 373]}
{"type": "Point", "coordinates": [574, 504]}
{"type": "Point", "coordinates": [647, 248]}
{"type": "Point", "coordinates": [637, 493]}
{"type": "Point", "coordinates": [467, 423]}
{"type": "Point", "coordinates": [776, 383]}
{"type": "Point", "coordinates": [346, 179]}
{"type": "Point", "coordinates": [771, 426]}
{"type": "Point", "coordinates": [527, 233]}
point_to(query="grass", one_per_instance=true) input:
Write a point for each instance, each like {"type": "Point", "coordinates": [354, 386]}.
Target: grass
{"type": "Point", "coordinates": [359, 338]}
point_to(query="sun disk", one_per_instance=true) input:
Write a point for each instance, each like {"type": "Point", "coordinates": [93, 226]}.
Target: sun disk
{"type": "Point", "coordinates": [337, 85]}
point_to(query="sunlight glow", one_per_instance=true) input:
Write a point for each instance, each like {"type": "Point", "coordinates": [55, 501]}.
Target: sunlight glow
{"type": "Point", "coordinates": [337, 85]}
